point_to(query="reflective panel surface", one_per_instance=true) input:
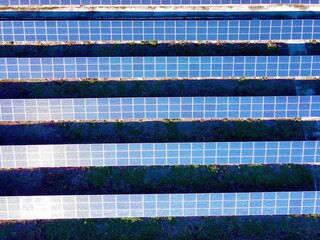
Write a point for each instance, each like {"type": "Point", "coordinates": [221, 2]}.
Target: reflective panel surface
{"type": "Point", "coordinates": [151, 2]}
{"type": "Point", "coordinates": [160, 108]}
{"type": "Point", "coordinates": [160, 67]}
{"type": "Point", "coordinates": [151, 154]}
{"type": "Point", "coordinates": [160, 30]}
{"type": "Point", "coordinates": [159, 205]}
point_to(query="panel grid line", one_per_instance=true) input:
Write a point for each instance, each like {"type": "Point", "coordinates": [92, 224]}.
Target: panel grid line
{"type": "Point", "coordinates": [270, 107]}
{"type": "Point", "coordinates": [153, 2]}
{"type": "Point", "coordinates": [230, 153]}
{"type": "Point", "coordinates": [221, 66]}
{"type": "Point", "coordinates": [63, 30]}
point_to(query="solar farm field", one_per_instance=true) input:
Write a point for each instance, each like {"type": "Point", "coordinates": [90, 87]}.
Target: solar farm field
{"type": "Point", "coordinates": [151, 2]}
{"type": "Point", "coordinates": [134, 119]}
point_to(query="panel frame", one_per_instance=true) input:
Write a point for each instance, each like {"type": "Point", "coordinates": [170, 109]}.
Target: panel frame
{"type": "Point", "coordinates": [161, 30]}
{"type": "Point", "coordinates": [159, 205]}
{"type": "Point", "coordinates": [160, 67]}
{"type": "Point", "coordinates": [153, 2]}
{"type": "Point", "coordinates": [159, 154]}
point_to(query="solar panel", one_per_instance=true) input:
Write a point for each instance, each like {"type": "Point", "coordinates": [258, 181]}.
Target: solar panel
{"type": "Point", "coordinates": [152, 2]}
{"type": "Point", "coordinates": [151, 154]}
{"type": "Point", "coordinates": [160, 67]}
{"type": "Point", "coordinates": [159, 205]}
{"type": "Point", "coordinates": [160, 30]}
{"type": "Point", "coordinates": [160, 108]}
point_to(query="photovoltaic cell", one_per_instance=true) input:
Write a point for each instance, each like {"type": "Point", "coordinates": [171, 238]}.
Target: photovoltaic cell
{"type": "Point", "coordinates": [160, 108]}
{"type": "Point", "coordinates": [152, 154]}
{"type": "Point", "coordinates": [160, 67]}
{"type": "Point", "coordinates": [140, 30]}
{"type": "Point", "coordinates": [151, 2]}
{"type": "Point", "coordinates": [159, 205]}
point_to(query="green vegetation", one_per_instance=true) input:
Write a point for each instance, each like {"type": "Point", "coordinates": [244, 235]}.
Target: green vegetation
{"type": "Point", "coordinates": [161, 179]}
{"type": "Point", "coordinates": [275, 227]}
{"type": "Point", "coordinates": [168, 88]}
{"type": "Point", "coordinates": [271, 45]}
{"type": "Point", "coordinates": [145, 48]}
{"type": "Point", "coordinates": [153, 43]}
{"type": "Point", "coordinates": [171, 130]}
{"type": "Point", "coordinates": [93, 80]}
{"type": "Point", "coordinates": [119, 125]}
{"type": "Point", "coordinates": [157, 131]}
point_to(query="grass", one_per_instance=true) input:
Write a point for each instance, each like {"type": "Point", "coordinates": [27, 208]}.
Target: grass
{"type": "Point", "coordinates": [149, 88]}
{"type": "Point", "coordinates": [144, 48]}
{"type": "Point", "coordinates": [262, 227]}
{"type": "Point", "coordinates": [159, 179]}
{"type": "Point", "coordinates": [241, 79]}
{"type": "Point", "coordinates": [153, 43]}
{"type": "Point", "coordinates": [271, 45]}
{"type": "Point", "coordinates": [155, 131]}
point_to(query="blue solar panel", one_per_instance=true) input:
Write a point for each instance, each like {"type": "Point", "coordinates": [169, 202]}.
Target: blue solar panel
{"type": "Point", "coordinates": [153, 154]}
{"type": "Point", "coordinates": [160, 67]}
{"type": "Point", "coordinates": [198, 30]}
{"type": "Point", "coordinates": [159, 205]}
{"type": "Point", "coordinates": [160, 108]}
{"type": "Point", "coordinates": [152, 2]}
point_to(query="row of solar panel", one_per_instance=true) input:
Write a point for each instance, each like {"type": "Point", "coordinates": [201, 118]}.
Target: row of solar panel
{"type": "Point", "coordinates": [151, 2]}
{"type": "Point", "coordinates": [160, 67]}
{"type": "Point", "coordinates": [159, 205]}
{"type": "Point", "coordinates": [160, 108]}
{"type": "Point", "coordinates": [160, 30]}
{"type": "Point", "coordinates": [144, 154]}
